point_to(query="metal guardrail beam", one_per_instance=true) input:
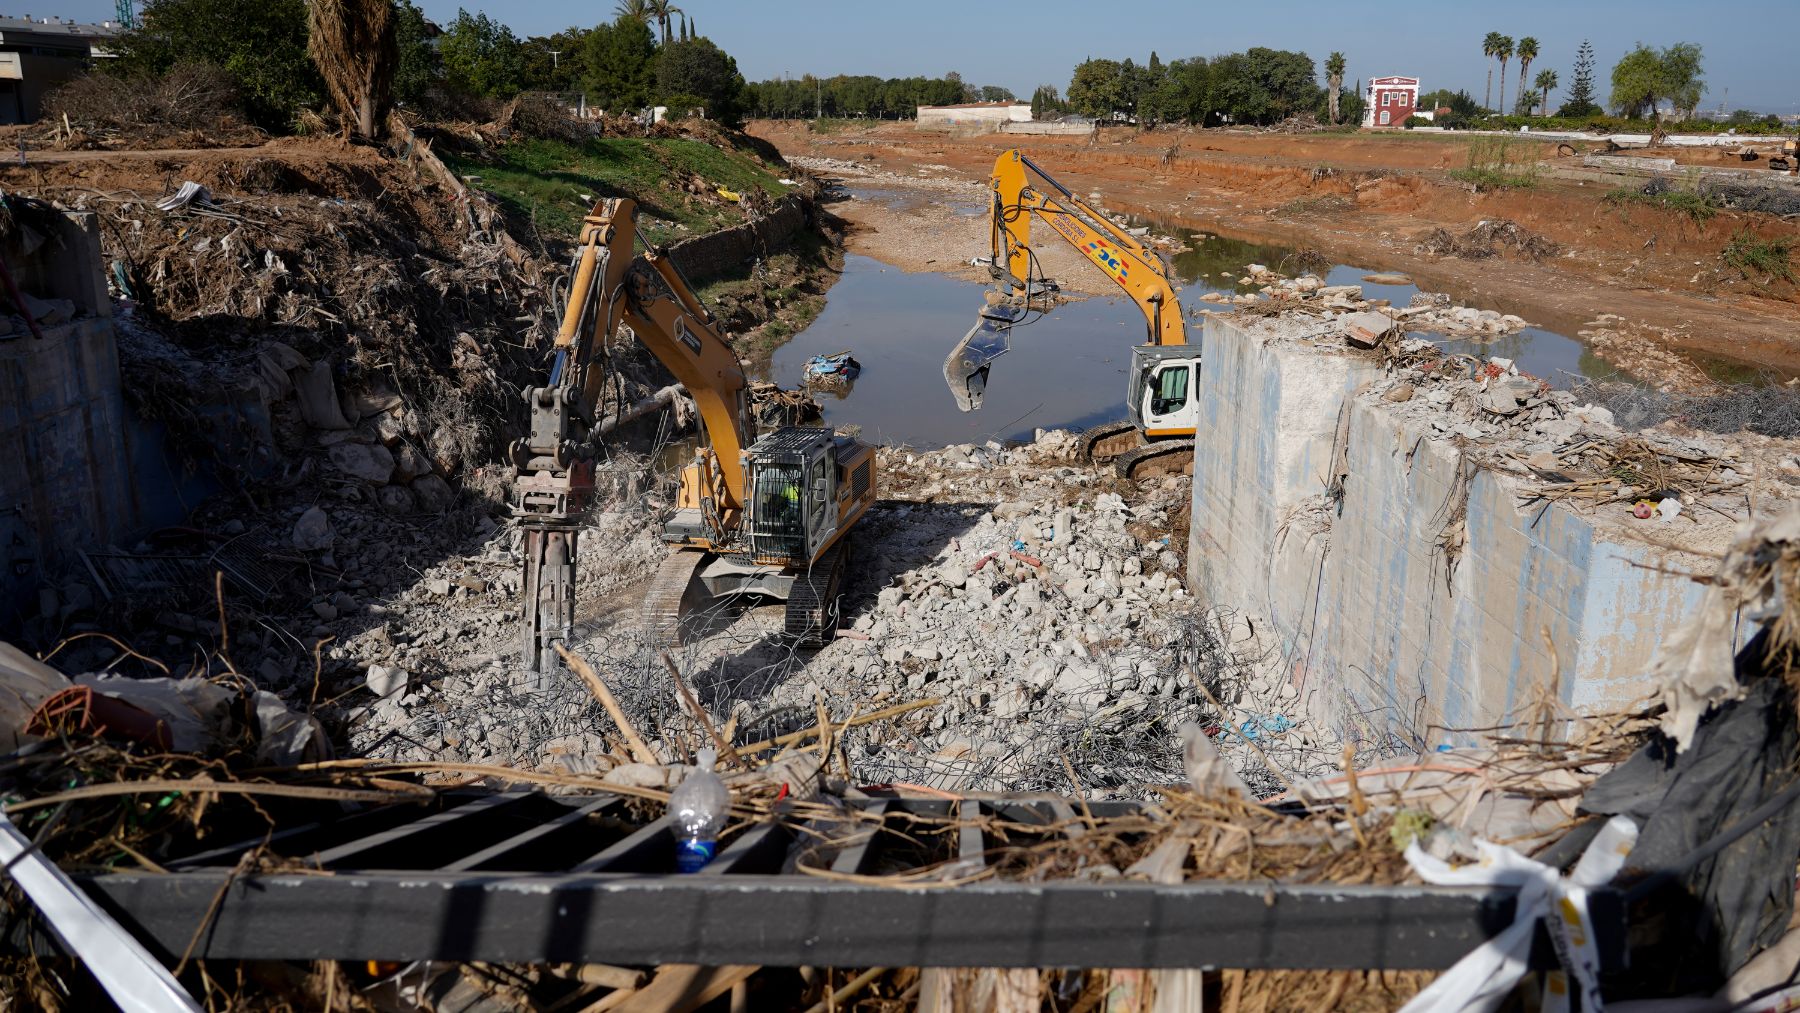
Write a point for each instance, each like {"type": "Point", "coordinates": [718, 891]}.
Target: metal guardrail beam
{"type": "Point", "coordinates": [529, 878]}
{"type": "Point", "coordinates": [801, 920]}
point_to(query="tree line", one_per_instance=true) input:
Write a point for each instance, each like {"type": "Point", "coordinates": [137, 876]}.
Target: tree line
{"type": "Point", "coordinates": [859, 95]}
{"type": "Point", "coordinates": [1257, 86]}
{"type": "Point", "coordinates": [650, 52]}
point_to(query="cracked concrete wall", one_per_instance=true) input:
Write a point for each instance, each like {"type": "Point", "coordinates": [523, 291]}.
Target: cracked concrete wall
{"type": "Point", "coordinates": [62, 414]}
{"type": "Point", "coordinates": [1419, 602]}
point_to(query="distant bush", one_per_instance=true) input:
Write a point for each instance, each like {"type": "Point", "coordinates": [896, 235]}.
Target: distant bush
{"type": "Point", "coordinates": [1687, 200]}
{"type": "Point", "coordinates": [1417, 121]}
{"type": "Point", "coordinates": [683, 105]}
{"type": "Point", "coordinates": [259, 44]}
{"type": "Point", "coordinates": [191, 96]}
{"type": "Point", "coordinates": [1608, 125]}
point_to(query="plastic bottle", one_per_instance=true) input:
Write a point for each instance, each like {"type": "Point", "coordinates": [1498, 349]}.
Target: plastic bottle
{"type": "Point", "coordinates": [697, 811]}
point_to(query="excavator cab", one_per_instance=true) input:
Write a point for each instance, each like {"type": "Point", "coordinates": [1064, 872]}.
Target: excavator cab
{"type": "Point", "coordinates": [1160, 395]}
{"type": "Point", "coordinates": [793, 492]}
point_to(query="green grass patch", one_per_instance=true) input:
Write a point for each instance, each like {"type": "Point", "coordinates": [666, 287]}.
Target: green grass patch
{"type": "Point", "coordinates": [552, 183]}
{"type": "Point", "coordinates": [1697, 206]}
{"type": "Point", "coordinates": [1752, 255]}
{"type": "Point", "coordinates": [1498, 163]}
{"type": "Point", "coordinates": [836, 124]}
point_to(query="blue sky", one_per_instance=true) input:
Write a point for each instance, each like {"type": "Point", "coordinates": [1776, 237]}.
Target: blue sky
{"type": "Point", "coordinates": [1748, 44]}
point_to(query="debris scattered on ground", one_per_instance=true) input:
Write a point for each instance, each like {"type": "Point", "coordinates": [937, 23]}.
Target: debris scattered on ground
{"type": "Point", "coordinates": [1487, 239]}
{"type": "Point", "coordinates": [1646, 353]}
{"type": "Point", "coordinates": [1570, 449]}
{"type": "Point", "coordinates": [1427, 312]}
{"type": "Point", "coordinates": [969, 545]}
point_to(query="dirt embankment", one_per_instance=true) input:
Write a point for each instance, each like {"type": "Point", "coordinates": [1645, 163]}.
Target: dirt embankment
{"type": "Point", "coordinates": [1370, 200]}
{"type": "Point", "coordinates": [338, 341]}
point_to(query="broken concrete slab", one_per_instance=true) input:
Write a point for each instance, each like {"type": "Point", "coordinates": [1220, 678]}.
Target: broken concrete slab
{"type": "Point", "coordinates": [313, 532]}
{"type": "Point", "coordinates": [318, 397]}
{"type": "Point", "coordinates": [367, 462]}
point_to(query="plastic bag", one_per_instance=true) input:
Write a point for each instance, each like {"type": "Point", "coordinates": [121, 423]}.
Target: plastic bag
{"type": "Point", "coordinates": [1482, 980]}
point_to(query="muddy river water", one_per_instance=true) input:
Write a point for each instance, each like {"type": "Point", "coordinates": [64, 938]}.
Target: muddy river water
{"type": "Point", "coordinates": [1067, 368]}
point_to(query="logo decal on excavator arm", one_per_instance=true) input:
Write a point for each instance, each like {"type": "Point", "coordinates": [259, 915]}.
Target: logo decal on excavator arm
{"type": "Point", "coordinates": [685, 337]}
{"type": "Point", "coordinates": [1110, 259]}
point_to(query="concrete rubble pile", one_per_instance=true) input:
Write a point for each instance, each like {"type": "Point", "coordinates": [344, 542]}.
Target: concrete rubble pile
{"type": "Point", "coordinates": [1426, 311]}
{"type": "Point", "coordinates": [1045, 614]}
{"type": "Point", "coordinates": [1565, 448]}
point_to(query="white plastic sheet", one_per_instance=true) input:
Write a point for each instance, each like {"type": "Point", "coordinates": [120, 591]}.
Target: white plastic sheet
{"type": "Point", "coordinates": [1483, 979]}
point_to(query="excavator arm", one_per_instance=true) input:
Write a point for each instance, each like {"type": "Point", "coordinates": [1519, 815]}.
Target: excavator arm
{"type": "Point", "coordinates": [1134, 267]}
{"type": "Point", "coordinates": [610, 286]}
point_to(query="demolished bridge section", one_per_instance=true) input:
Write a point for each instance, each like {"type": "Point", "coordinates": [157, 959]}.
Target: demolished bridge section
{"type": "Point", "coordinates": [1440, 544]}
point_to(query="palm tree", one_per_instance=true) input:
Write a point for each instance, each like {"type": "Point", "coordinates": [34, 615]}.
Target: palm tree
{"type": "Point", "coordinates": [663, 11]}
{"type": "Point", "coordinates": [1528, 51]}
{"type": "Point", "coordinates": [1546, 80]}
{"type": "Point", "coordinates": [1334, 73]}
{"type": "Point", "coordinates": [636, 10]}
{"type": "Point", "coordinates": [1490, 48]}
{"type": "Point", "coordinates": [1504, 53]}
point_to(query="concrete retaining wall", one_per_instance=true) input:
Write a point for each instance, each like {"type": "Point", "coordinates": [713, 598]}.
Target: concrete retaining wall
{"type": "Point", "coordinates": [62, 417]}
{"type": "Point", "coordinates": [1419, 598]}
{"type": "Point", "coordinates": [728, 250]}
{"type": "Point", "coordinates": [1048, 128]}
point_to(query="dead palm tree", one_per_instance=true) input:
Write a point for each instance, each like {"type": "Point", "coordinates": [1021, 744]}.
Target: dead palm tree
{"type": "Point", "coordinates": [1528, 51]}
{"type": "Point", "coordinates": [1334, 75]}
{"type": "Point", "coordinates": [1504, 53]}
{"type": "Point", "coordinates": [352, 42]}
{"type": "Point", "coordinates": [664, 12]}
{"type": "Point", "coordinates": [1490, 48]}
{"type": "Point", "coordinates": [1546, 80]}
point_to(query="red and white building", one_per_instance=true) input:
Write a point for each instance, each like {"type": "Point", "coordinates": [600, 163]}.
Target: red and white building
{"type": "Point", "coordinates": [1390, 100]}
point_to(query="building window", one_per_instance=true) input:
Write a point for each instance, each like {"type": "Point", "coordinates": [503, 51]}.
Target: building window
{"type": "Point", "coordinates": [1384, 117]}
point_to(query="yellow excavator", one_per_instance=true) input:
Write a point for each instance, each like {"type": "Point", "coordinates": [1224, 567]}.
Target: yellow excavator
{"type": "Point", "coordinates": [766, 515]}
{"type": "Point", "coordinates": [1157, 438]}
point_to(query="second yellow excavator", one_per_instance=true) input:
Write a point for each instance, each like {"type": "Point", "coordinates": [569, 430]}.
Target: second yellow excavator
{"type": "Point", "coordinates": [1157, 437]}
{"type": "Point", "coordinates": [767, 515]}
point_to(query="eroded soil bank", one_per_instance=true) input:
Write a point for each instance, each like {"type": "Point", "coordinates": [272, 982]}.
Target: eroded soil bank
{"type": "Point", "coordinates": [1377, 202]}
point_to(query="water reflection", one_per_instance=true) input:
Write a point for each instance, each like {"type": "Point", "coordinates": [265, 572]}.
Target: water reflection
{"type": "Point", "coordinates": [1067, 368]}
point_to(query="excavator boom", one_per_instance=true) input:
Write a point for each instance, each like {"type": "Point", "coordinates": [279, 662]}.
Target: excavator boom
{"type": "Point", "coordinates": [611, 286]}
{"type": "Point", "coordinates": [1134, 267]}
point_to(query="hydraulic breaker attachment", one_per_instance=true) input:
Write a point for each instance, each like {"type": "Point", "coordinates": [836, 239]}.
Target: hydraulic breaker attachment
{"type": "Point", "coordinates": [554, 484]}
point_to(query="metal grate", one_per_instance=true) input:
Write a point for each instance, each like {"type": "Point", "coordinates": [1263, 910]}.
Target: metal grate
{"type": "Point", "coordinates": [859, 479]}
{"type": "Point", "coordinates": [246, 563]}
{"type": "Point", "coordinates": [778, 512]}
{"type": "Point", "coordinates": [789, 443]}
{"type": "Point", "coordinates": [527, 877]}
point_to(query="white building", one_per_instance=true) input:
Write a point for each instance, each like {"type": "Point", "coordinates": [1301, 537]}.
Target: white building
{"type": "Point", "coordinates": [975, 114]}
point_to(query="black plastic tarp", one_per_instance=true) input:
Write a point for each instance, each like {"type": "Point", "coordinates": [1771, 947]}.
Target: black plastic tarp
{"type": "Point", "coordinates": [1712, 915]}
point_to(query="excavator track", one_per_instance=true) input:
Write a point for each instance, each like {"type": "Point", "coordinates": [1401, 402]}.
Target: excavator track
{"type": "Point", "coordinates": [671, 597]}
{"type": "Point", "coordinates": [1153, 460]}
{"type": "Point", "coordinates": [812, 606]}
{"type": "Point", "coordinates": [1108, 440]}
